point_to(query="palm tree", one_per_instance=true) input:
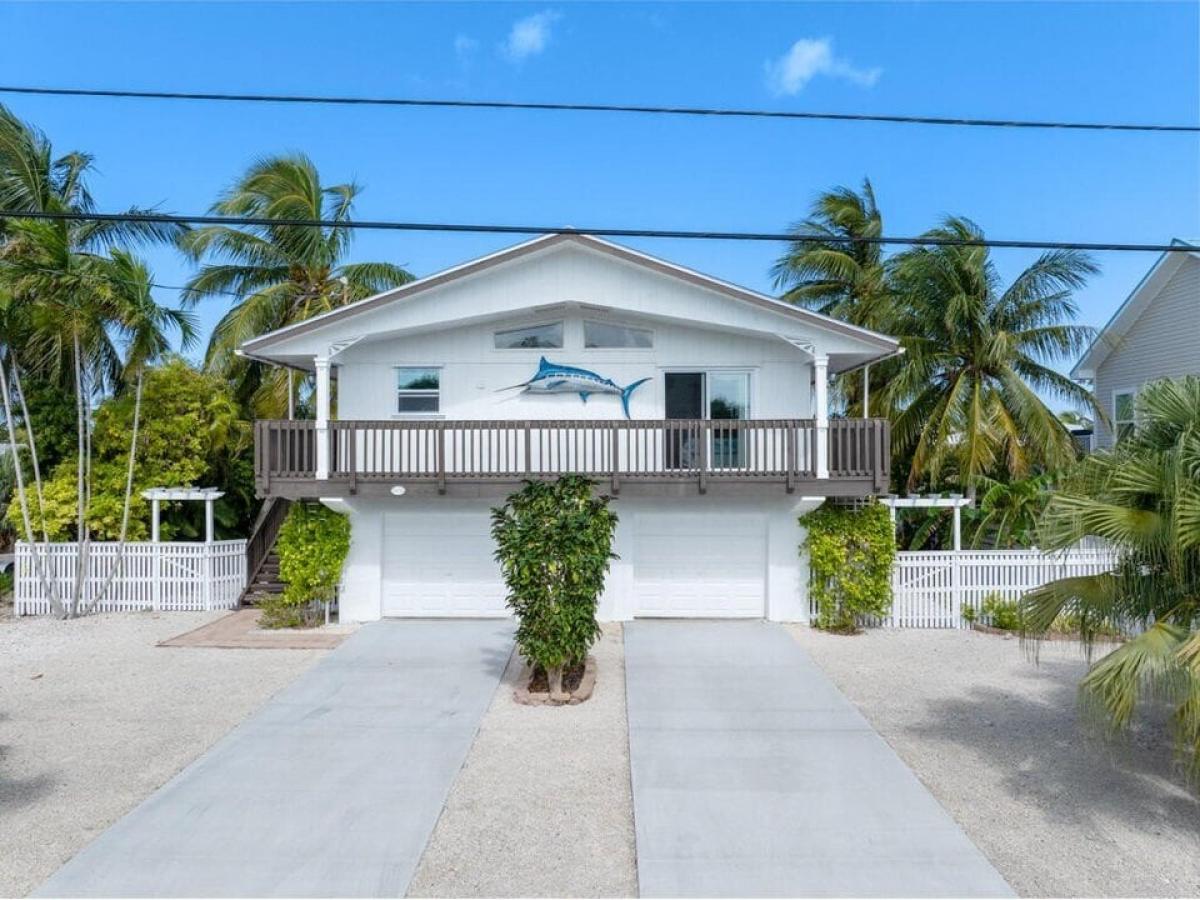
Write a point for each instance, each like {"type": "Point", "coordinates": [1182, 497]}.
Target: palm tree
{"type": "Point", "coordinates": [833, 270]}
{"type": "Point", "coordinates": [59, 286]}
{"type": "Point", "coordinates": [1009, 510]}
{"type": "Point", "coordinates": [977, 354]}
{"type": "Point", "coordinates": [280, 273]}
{"type": "Point", "coordinates": [1143, 498]}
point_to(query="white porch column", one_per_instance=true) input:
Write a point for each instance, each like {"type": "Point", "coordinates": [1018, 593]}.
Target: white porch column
{"type": "Point", "coordinates": [866, 410]}
{"type": "Point", "coordinates": [821, 402]}
{"type": "Point", "coordinates": [321, 364]}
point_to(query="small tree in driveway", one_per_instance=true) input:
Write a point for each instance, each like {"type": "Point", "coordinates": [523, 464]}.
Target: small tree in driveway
{"type": "Point", "coordinates": [554, 544]}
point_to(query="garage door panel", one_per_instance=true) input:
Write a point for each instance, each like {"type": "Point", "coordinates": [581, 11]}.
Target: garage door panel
{"type": "Point", "coordinates": [711, 565]}
{"type": "Point", "coordinates": [440, 564]}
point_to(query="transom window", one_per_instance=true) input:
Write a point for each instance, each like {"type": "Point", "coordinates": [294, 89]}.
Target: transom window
{"type": "Point", "coordinates": [1124, 422]}
{"type": "Point", "coordinates": [599, 335]}
{"type": "Point", "coordinates": [418, 389]}
{"type": "Point", "coordinates": [548, 336]}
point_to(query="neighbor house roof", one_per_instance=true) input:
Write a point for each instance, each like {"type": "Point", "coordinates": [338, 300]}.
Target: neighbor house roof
{"type": "Point", "coordinates": [886, 345]}
{"type": "Point", "coordinates": [1109, 337]}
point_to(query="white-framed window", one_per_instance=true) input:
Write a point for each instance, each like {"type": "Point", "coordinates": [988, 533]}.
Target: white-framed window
{"type": "Point", "coordinates": [546, 336]}
{"type": "Point", "coordinates": [611, 335]}
{"type": "Point", "coordinates": [1124, 420]}
{"type": "Point", "coordinates": [418, 390]}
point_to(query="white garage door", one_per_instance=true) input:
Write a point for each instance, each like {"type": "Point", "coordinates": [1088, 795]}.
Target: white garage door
{"type": "Point", "coordinates": [440, 564]}
{"type": "Point", "coordinates": [706, 565]}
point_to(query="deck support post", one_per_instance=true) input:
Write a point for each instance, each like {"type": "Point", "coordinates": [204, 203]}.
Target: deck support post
{"type": "Point", "coordinates": [321, 432]}
{"type": "Point", "coordinates": [821, 413]}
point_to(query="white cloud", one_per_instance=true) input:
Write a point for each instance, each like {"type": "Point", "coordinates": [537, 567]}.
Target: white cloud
{"type": "Point", "coordinates": [529, 36]}
{"type": "Point", "coordinates": [810, 57]}
{"type": "Point", "coordinates": [464, 45]}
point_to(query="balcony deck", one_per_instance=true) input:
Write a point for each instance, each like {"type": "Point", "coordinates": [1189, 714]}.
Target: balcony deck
{"type": "Point", "coordinates": [436, 456]}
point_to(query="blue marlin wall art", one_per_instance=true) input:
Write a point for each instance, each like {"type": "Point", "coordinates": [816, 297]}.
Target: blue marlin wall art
{"type": "Point", "coordinates": [551, 378]}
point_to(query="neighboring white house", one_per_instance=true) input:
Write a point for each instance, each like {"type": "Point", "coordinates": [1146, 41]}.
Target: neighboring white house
{"type": "Point", "coordinates": [726, 443]}
{"type": "Point", "coordinates": [1154, 334]}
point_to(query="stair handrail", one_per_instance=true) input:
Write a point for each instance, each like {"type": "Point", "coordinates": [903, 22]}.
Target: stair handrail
{"type": "Point", "coordinates": [262, 537]}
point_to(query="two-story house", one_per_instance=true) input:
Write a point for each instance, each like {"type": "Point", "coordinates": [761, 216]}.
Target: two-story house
{"type": "Point", "coordinates": [701, 406]}
{"type": "Point", "coordinates": [1154, 334]}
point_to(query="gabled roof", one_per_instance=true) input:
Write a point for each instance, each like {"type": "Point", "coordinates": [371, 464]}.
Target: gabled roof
{"type": "Point", "coordinates": [1109, 337]}
{"type": "Point", "coordinates": [255, 346]}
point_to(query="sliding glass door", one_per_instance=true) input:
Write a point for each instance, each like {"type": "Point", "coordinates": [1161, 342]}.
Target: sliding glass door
{"type": "Point", "coordinates": [718, 396]}
{"type": "Point", "coordinates": [728, 398]}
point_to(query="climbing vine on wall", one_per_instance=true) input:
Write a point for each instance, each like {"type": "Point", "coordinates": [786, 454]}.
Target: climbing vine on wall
{"type": "Point", "coordinates": [850, 554]}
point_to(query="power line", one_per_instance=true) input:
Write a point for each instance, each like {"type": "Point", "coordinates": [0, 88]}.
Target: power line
{"type": "Point", "coordinates": [599, 108]}
{"type": "Point", "coordinates": [101, 279]}
{"type": "Point", "coordinates": [477, 228]}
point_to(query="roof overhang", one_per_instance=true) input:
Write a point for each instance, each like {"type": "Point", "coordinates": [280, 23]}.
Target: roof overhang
{"type": "Point", "coordinates": [876, 345]}
{"type": "Point", "coordinates": [1109, 337]}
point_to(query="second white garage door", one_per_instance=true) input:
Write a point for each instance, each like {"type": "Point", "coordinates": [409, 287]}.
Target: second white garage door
{"type": "Point", "coordinates": [711, 565]}
{"type": "Point", "coordinates": [440, 564]}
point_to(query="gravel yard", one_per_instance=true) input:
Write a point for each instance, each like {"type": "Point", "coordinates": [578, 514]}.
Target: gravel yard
{"type": "Point", "coordinates": [998, 741]}
{"type": "Point", "coordinates": [94, 717]}
{"type": "Point", "coordinates": [542, 806]}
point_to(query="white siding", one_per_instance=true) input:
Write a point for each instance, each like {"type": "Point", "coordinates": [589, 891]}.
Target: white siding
{"type": "Point", "coordinates": [1164, 342]}
{"type": "Point", "coordinates": [474, 372]}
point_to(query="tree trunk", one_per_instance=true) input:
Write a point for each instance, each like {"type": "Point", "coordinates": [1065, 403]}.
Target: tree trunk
{"type": "Point", "coordinates": [119, 562]}
{"type": "Point", "coordinates": [80, 499]}
{"type": "Point", "coordinates": [38, 563]}
{"type": "Point", "coordinates": [554, 676]}
{"type": "Point", "coordinates": [33, 455]}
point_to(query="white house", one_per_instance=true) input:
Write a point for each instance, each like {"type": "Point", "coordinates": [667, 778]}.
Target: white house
{"type": "Point", "coordinates": [727, 439]}
{"type": "Point", "coordinates": [1154, 334]}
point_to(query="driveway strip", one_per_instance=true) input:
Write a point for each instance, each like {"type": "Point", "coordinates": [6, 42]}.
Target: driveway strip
{"type": "Point", "coordinates": [331, 789]}
{"type": "Point", "coordinates": [754, 776]}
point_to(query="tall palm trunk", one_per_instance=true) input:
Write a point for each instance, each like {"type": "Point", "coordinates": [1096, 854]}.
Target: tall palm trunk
{"type": "Point", "coordinates": [33, 455]}
{"type": "Point", "coordinates": [39, 565]}
{"type": "Point", "coordinates": [119, 562]}
{"type": "Point", "coordinates": [80, 498]}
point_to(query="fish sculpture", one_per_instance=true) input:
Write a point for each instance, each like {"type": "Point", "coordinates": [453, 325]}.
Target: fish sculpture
{"type": "Point", "coordinates": [552, 378]}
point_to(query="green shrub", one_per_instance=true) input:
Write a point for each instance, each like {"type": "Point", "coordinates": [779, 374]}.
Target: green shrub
{"type": "Point", "coordinates": [970, 614]}
{"type": "Point", "coordinates": [850, 555]}
{"type": "Point", "coordinates": [312, 546]}
{"type": "Point", "coordinates": [1001, 613]}
{"type": "Point", "coordinates": [554, 544]}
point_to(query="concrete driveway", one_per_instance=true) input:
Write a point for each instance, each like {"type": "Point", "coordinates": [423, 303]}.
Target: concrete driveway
{"type": "Point", "coordinates": [331, 789]}
{"type": "Point", "coordinates": [754, 776]}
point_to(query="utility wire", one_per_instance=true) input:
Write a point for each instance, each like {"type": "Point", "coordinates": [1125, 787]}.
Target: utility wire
{"type": "Point", "coordinates": [600, 108]}
{"type": "Point", "coordinates": [476, 228]}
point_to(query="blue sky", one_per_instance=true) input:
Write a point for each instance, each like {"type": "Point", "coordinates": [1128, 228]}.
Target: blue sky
{"type": "Point", "coordinates": [1079, 61]}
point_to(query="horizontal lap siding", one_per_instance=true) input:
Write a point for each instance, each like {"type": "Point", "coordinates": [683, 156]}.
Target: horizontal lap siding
{"type": "Point", "coordinates": [1164, 342]}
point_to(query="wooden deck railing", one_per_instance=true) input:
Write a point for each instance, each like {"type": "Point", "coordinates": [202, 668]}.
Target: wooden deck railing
{"type": "Point", "coordinates": [783, 450]}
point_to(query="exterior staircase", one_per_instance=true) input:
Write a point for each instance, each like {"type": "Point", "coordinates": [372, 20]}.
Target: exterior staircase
{"type": "Point", "coordinates": [262, 561]}
{"type": "Point", "coordinates": [265, 581]}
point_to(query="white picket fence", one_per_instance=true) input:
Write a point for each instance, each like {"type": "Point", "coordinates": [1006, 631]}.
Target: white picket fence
{"type": "Point", "coordinates": [930, 589]}
{"type": "Point", "coordinates": [175, 575]}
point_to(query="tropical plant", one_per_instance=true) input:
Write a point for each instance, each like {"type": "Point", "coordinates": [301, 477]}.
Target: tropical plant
{"type": "Point", "coordinates": [850, 556]}
{"type": "Point", "coordinates": [1142, 498]}
{"type": "Point", "coordinates": [554, 544]}
{"type": "Point", "coordinates": [978, 359]}
{"type": "Point", "coordinates": [280, 273]}
{"type": "Point", "coordinates": [196, 428]}
{"type": "Point", "coordinates": [835, 269]}
{"type": "Point", "coordinates": [1009, 511]}
{"type": "Point", "coordinates": [63, 298]}
{"type": "Point", "coordinates": [312, 546]}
